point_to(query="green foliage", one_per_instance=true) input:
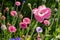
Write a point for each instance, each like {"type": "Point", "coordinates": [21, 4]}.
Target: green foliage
{"type": "Point", "coordinates": [49, 32]}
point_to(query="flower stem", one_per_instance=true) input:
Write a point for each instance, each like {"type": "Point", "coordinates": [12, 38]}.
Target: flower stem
{"type": "Point", "coordinates": [34, 28]}
{"type": "Point", "coordinates": [58, 11]}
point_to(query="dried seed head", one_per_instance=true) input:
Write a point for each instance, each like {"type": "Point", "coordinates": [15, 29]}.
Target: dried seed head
{"type": "Point", "coordinates": [8, 24]}
{"type": "Point", "coordinates": [3, 27]}
{"type": "Point", "coordinates": [7, 9]}
{"type": "Point", "coordinates": [3, 17]}
{"type": "Point", "coordinates": [21, 16]}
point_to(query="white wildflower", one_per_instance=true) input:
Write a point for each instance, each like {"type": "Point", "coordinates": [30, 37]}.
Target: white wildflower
{"type": "Point", "coordinates": [3, 27]}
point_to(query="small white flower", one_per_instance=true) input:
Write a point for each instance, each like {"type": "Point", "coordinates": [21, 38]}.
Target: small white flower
{"type": "Point", "coordinates": [57, 0]}
{"type": "Point", "coordinates": [55, 9]}
{"type": "Point", "coordinates": [44, 1]}
{"type": "Point", "coordinates": [39, 29]}
{"type": "Point", "coordinates": [52, 39]}
{"type": "Point", "coordinates": [58, 36]}
{"type": "Point", "coordinates": [3, 27]}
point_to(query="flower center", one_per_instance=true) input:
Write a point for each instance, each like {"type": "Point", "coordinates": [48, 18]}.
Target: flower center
{"type": "Point", "coordinates": [11, 29]}
{"type": "Point", "coordinates": [39, 29]}
{"type": "Point", "coordinates": [41, 13]}
{"type": "Point", "coordinates": [23, 25]}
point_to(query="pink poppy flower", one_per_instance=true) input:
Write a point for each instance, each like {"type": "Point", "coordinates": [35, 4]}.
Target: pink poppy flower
{"type": "Point", "coordinates": [27, 20]}
{"type": "Point", "coordinates": [46, 22]}
{"type": "Point", "coordinates": [17, 3]}
{"type": "Point", "coordinates": [23, 25]}
{"type": "Point", "coordinates": [13, 13]}
{"type": "Point", "coordinates": [41, 13]}
{"type": "Point", "coordinates": [12, 29]}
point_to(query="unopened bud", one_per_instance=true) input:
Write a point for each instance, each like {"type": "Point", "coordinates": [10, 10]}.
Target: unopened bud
{"type": "Point", "coordinates": [3, 18]}
{"type": "Point", "coordinates": [8, 24]}
{"type": "Point", "coordinates": [29, 5]}
{"type": "Point", "coordinates": [28, 38]}
{"type": "Point", "coordinates": [7, 9]}
{"type": "Point", "coordinates": [55, 9]}
{"type": "Point", "coordinates": [21, 16]}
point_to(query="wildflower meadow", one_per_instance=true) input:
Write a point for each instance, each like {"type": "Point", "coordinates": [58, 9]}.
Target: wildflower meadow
{"type": "Point", "coordinates": [29, 19]}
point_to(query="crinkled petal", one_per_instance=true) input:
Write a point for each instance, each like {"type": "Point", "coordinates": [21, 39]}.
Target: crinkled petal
{"type": "Point", "coordinates": [39, 18]}
{"type": "Point", "coordinates": [35, 11]}
{"type": "Point", "coordinates": [47, 13]}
